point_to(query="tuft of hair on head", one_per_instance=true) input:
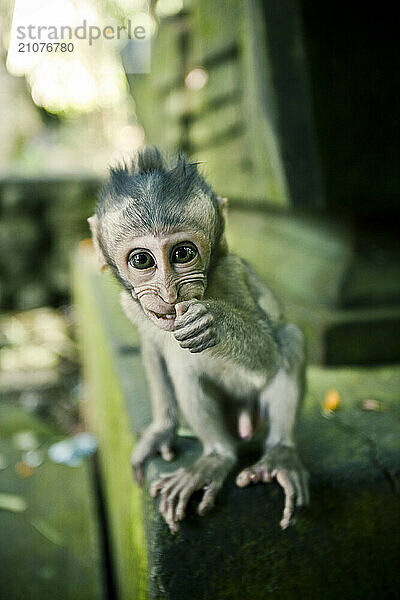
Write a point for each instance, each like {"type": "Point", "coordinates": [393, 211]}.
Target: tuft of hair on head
{"type": "Point", "coordinates": [185, 172]}
{"type": "Point", "coordinates": [118, 176]}
{"type": "Point", "coordinates": [154, 193]}
{"type": "Point", "coordinates": [148, 159]}
{"type": "Point", "coordinates": [181, 174]}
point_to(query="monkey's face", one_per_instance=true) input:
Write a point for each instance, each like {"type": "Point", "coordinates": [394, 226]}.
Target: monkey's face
{"type": "Point", "coordinates": [165, 270]}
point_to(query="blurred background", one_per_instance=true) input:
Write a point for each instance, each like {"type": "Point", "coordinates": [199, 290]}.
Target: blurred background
{"type": "Point", "coordinates": [292, 111]}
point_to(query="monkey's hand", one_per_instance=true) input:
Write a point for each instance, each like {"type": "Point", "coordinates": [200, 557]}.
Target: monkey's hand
{"type": "Point", "coordinates": [208, 473]}
{"type": "Point", "coordinates": [155, 439]}
{"type": "Point", "coordinates": [283, 464]}
{"type": "Point", "coordinates": [194, 326]}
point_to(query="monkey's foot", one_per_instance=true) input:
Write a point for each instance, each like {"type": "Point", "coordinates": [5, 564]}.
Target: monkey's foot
{"type": "Point", "coordinates": [208, 473]}
{"type": "Point", "coordinates": [154, 440]}
{"type": "Point", "coordinates": [283, 464]}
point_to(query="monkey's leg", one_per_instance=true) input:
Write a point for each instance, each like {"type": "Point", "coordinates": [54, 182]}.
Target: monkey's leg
{"type": "Point", "coordinates": [283, 397]}
{"type": "Point", "coordinates": [159, 436]}
{"type": "Point", "coordinates": [204, 416]}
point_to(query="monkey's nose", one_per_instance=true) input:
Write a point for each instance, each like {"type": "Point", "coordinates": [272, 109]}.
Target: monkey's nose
{"type": "Point", "coordinates": [168, 295]}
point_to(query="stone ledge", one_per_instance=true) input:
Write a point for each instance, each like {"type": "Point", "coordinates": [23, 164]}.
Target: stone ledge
{"type": "Point", "coordinates": [345, 546]}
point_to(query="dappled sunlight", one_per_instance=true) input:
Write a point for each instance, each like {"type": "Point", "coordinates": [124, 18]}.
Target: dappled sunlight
{"type": "Point", "coordinates": [196, 79]}
{"type": "Point", "coordinates": [168, 8]}
{"type": "Point", "coordinates": [66, 73]}
{"type": "Point", "coordinates": [76, 114]}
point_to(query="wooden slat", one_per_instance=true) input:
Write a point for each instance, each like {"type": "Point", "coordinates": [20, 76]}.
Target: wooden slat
{"type": "Point", "coordinates": [223, 82]}
{"type": "Point", "coordinates": [214, 127]}
{"type": "Point", "coordinates": [223, 169]}
{"type": "Point", "coordinates": [216, 27]}
{"type": "Point", "coordinates": [151, 91]}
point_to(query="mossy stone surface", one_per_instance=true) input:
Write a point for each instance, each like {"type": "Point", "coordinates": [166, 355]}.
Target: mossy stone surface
{"type": "Point", "coordinates": [346, 545]}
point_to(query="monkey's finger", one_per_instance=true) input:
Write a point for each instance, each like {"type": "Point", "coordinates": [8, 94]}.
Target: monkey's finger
{"type": "Point", "coordinates": [194, 311]}
{"type": "Point", "coordinates": [207, 344]}
{"type": "Point", "coordinates": [184, 496]}
{"type": "Point", "coordinates": [286, 483]}
{"type": "Point", "coordinates": [181, 307]}
{"type": "Point", "coordinates": [155, 488]}
{"type": "Point", "coordinates": [298, 484]}
{"type": "Point", "coordinates": [198, 340]}
{"type": "Point", "coordinates": [170, 516]}
{"type": "Point", "coordinates": [185, 310]}
{"type": "Point", "coordinates": [166, 452]}
{"type": "Point", "coordinates": [261, 473]}
{"type": "Point", "coordinates": [194, 328]}
{"type": "Point", "coordinates": [267, 475]}
{"type": "Point", "coordinates": [160, 483]}
{"type": "Point", "coordinates": [171, 522]}
{"type": "Point", "coordinates": [162, 507]}
{"type": "Point", "coordinates": [245, 477]}
{"type": "Point", "coordinates": [173, 527]}
{"type": "Point", "coordinates": [174, 498]}
{"type": "Point", "coordinates": [168, 495]}
{"type": "Point", "coordinates": [168, 504]}
{"type": "Point", "coordinates": [208, 500]}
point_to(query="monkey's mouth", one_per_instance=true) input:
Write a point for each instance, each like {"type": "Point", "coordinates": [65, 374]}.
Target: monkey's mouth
{"type": "Point", "coordinates": [164, 320]}
{"type": "Point", "coordinates": [164, 316]}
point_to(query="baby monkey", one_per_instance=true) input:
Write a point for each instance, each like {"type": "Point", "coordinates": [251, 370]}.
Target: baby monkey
{"type": "Point", "coordinates": [214, 341]}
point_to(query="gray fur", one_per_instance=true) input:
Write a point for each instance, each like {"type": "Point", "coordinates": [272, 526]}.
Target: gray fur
{"type": "Point", "coordinates": [214, 338]}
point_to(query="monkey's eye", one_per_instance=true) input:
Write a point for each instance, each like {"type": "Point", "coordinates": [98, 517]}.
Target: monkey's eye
{"type": "Point", "coordinates": [184, 254]}
{"type": "Point", "coordinates": [138, 259]}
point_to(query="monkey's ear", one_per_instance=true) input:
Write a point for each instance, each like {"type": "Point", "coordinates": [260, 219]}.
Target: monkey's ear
{"type": "Point", "coordinates": [94, 228]}
{"type": "Point", "coordinates": [223, 209]}
{"type": "Point", "coordinates": [222, 205]}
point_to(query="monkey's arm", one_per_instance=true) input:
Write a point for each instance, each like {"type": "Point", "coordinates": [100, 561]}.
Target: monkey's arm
{"type": "Point", "coordinates": [263, 295]}
{"type": "Point", "coordinates": [245, 337]}
{"type": "Point", "coordinates": [237, 320]}
{"type": "Point", "coordinates": [159, 435]}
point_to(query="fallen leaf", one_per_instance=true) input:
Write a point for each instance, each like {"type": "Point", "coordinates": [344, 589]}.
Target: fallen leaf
{"type": "Point", "coordinates": [332, 401]}
{"type": "Point", "coordinates": [24, 470]}
{"type": "Point", "coordinates": [47, 531]}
